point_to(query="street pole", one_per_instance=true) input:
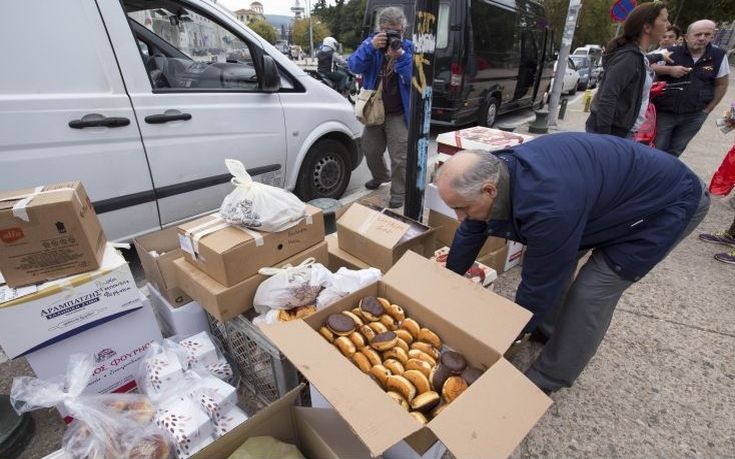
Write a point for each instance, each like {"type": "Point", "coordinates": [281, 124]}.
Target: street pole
{"type": "Point", "coordinates": [561, 62]}
{"type": "Point", "coordinates": [311, 31]}
{"type": "Point", "coordinates": [424, 46]}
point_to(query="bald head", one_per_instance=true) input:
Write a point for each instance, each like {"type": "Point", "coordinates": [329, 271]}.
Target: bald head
{"type": "Point", "coordinates": [468, 183]}
{"type": "Point", "coordinates": [699, 35]}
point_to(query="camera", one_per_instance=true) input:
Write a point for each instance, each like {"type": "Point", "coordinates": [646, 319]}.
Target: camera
{"type": "Point", "coordinates": [394, 40]}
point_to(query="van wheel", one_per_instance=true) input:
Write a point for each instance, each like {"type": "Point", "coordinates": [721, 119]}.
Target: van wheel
{"type": "Point", "coordinates": [325, 172]}
{"type": "Point", "coordinates": [489, 113]}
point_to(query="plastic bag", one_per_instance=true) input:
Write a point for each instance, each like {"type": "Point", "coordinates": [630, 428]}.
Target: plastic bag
{"type": "Point", "coordinates": [724, 179]}
{"type": "Point", "coordinates": [291, 286]}
{"type": "Point", "coordinates": [344, 282]}
{"type": "Point", "coordinates": [259, 206]}
{"type": "Point", "coordinates": [266, 448]}
{"type": "Point", "coordinates": [275, 316]}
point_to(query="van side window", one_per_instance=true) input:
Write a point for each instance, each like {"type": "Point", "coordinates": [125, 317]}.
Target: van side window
{"type": "Point", "coordinates": [184, 50]}
{"type": "Point", "coordinates": [442, 26]}
{"type": "Point", "coordinates": [495, 33]}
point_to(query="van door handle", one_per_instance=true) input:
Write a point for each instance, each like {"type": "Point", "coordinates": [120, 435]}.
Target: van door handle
{"type": "Point", "coordinates": [97, 120]}
{"type": "Point", "coordinates": [170, 115]}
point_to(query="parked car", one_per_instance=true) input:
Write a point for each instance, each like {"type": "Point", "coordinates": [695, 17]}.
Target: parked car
{"type": "Point", "coordinates": [133, 104]}
{"type": "Point", "coordinates": [594, 52]}
{"type": "Point", "coordinates": [571, 79]}
{"type": "Point", "coordinates": [587, 72]}
{"type": "Point", "coordinates": [283, 46]}
{"type": "Point", "coordinates": [491, 57]}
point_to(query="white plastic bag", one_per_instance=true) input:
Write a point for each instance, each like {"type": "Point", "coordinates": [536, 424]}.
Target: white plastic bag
{"type": "Point", "coordinates": [344, 282]}
{"type": "Point", "coordinates": [259, 206]}
{"type": "Point", "coordinates": [291, 286]}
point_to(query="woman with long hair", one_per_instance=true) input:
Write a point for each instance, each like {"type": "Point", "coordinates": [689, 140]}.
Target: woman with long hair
{"type": "Point", "coordinates": [619, 107]}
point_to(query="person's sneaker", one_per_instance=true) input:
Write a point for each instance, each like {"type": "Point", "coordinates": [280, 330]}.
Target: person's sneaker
{"type": "Point", "coordinates": [727, 257]}
{"type": "Point", "coordinates": [373, 184]}
{"type": "Point", "coordinates": [720, 237]}
{"type": "Point", "coordinates": [395, 203]}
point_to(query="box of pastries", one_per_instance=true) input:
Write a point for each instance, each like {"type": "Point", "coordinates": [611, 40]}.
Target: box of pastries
{"type": "Point", "coordinates": [418, 356]}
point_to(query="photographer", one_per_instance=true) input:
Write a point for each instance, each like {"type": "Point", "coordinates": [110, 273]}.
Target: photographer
{"type": "Point", "coordinates": [386, 57]}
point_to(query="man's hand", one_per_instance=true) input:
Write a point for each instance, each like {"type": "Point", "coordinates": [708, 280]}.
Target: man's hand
{"type": "Point", "coordinates": [678, 71]}
{"type": "Point", "coordinates": [380, 40]}
{"type": "Point", "coordinates": [666, 55]}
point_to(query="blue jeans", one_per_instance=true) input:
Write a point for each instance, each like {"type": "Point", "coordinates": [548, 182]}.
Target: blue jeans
{"type": "Point", "coordinates": [674, 131]}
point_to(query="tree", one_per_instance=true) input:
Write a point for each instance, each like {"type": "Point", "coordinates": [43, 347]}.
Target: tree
{"type": "Point", "coordinates": [300, 32]}
{"type": "Point", "coordinates": [264, 29]}
{"type": "Point", "coordinates": [684, 12]}
{"type": "Point", "coordinates": [344, 20]}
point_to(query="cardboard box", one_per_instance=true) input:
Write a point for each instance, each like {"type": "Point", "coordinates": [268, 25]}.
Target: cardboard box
{"type": "Point", "coordinates": [48, 233]}
{"type": "Point", "coordinates": [157, 252]}
{"type": "Point", "coordinates": [57, 309]}
{"type": "Point", "coordinates": [118, 346]}
{"type": "Point", "coordinates": [186, 320]}
{"type": "Point", "coordinates": [495, 259]}
{"type": "Point", "coordinates": [379, 237]}
{"type": "Point", "coordinates": [232, 254]}
{"type": "Point", "coordinates": [478, 138]}
{"type": "Point", "coordinates": [445, 227]}
{"type": "Point", "coordinates": [488, 420]}
{"type": "Point", "coordinates": [317, 433]}
{"type": "Point", "coordinates": [478, 273]}
{"type": "Point", "coordinates": [338, 258]}
{"type": "Point", "coordinates": [224, 303]}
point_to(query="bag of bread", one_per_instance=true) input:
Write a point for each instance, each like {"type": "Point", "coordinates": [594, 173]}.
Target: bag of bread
{"type": "Point", "coordinates": [266, 448]}
{"type": "Point", "coordinates": [291, 286]}
{"type": "Point", "coordinates": [344, 282]}
{"type": "Point", "coordinates": [257, 205]}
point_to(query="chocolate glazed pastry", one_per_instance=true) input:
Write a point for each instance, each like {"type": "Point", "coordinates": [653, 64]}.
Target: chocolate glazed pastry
{"type": "Point", "coordinates": [439, 376]}
{"type": "Point", "coordinates": [384, 341]}
{"type": "Point", "coordinates": [340, 324]}
{"type": "Point", "coordinates": [454, 361]}
{"type": "Point", "coordinates": [471, 374]}
{"type": "Point", "coordinates": [371, 308]}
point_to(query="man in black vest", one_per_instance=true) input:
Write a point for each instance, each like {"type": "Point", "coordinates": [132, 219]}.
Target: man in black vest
{"type": "Point", "coordinates": [703, 69]}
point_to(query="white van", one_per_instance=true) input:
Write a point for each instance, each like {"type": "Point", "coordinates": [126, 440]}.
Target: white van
{"type": "Point", "coordinates": [142, 100]}
{"type": "Point", "coordinates": [594, 52]}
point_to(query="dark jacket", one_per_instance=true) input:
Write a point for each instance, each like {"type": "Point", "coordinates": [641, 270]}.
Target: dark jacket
{"type": "Point", "coordinates": [700, 91]}
{"type": "Point", "coordinates": [618, 100]}
{"type": "Point", "coordinates": [576, 191]}
{"type": "Point", "coordinates": [367, 60]}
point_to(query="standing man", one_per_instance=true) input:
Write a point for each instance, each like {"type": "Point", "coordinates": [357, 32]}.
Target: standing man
{"type": "Point", "coordinates": [702, 70]}
{"type": "Point", "coordinates": [564, 195]}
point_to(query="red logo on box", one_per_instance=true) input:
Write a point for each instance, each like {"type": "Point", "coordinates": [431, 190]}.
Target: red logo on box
{"type": "Point", "coordinates": [11, 235]}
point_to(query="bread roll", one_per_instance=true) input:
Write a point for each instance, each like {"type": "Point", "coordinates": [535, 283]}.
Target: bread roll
{"type": "Point", "coordinates": [381, 374]}
{"type": "Point", "coordinates": [394, 366]}
{"type": "Point", "coordinates": [420, 365]}
{"type": "Point", "coordinates": [421, 355]}
{"type": "Point", "coordinates": [327, 334]}
{"type": "Point", "coordinates": [411, 326]}
{"type": "Point", "coordinates": [362, 362]}
{"type": "Point", "coordinates": [404, 335]}
{"type": "Point", "coordinates": [398, 398]}
{"type": "Point", "coordinates": [428, 336]}
{"type": "Point", "coordinates": [396, 312]}
{"type": "Point", "coordinates": [396, 353]}
{"type": "Point", "coordinates": [453, 388]}
{"type": "Point", "coordinates": [426, 347]}
{"type": "Point", "coordinates": [425, 402]}
{"type": "Point", "coordinates": [403, 386]}
{"type": "Point", "coordinates": [345, 346]}
{"type": "Point", "coordinates": [418, 379]}
{"type": "Point", "coordinates": [372, 355]}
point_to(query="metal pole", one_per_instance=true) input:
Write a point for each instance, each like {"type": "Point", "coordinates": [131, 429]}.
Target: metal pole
{"type": "Point", "coordinates": [561, 63]}
{"type": "Point", "coordinates": [311, 31]}
{"type": "Point", "coordinates": [678, 12]}
{"type": "Point", "coordinates": [424, 46]}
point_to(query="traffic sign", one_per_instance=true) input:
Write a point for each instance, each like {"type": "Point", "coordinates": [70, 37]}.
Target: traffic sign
{"type": "Point", "coordinates": [621, 8]}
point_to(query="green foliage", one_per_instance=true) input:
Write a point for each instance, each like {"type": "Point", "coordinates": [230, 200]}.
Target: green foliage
{"type": "Point", "coordinates": [300, 32]}
{"type": "Point", "coordinates": [264, 29]}
{"type": "Point", "coordinates": [684, 12]}
{"type": "Point", "coordinates": [344, 20]}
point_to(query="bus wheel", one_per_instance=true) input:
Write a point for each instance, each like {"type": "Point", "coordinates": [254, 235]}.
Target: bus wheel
{"type": "Point", "coordinates": [489, 113]}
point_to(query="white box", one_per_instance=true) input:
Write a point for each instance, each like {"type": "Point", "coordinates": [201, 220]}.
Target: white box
{"type": "Point", "coordinates": [435, 203]}
{"type": "Point", "coordinates": [118, 346]}
{"type": "Point", "coordinates": [478, 138]}
{"type": "Point", "coordinates": [188, 319]}
{"type": "Point", "coordinates": [63, 307]}
{"type": "Point", "coordinates": [515, 254]}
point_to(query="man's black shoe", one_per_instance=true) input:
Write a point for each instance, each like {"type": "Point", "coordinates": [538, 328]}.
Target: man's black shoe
{"type": "Point", "coordinates": [373, 184]}
{"type": "Point", "coordinates": [395, 203]}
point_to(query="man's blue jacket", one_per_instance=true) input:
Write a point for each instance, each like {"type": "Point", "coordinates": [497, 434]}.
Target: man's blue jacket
{"type": "Point", "coordinates": [367, 61]}
{"type": "Point", "coordinates": [576, 191]}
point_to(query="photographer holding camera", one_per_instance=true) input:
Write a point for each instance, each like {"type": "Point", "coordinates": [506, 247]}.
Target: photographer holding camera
{"type": "Point", "coordinates": [386, 57]}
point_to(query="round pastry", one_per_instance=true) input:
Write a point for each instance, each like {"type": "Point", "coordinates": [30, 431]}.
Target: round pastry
{"type": "Point", "coordinates": [151, 446]}
{"type": "Point", "coordinates": [396, 353]}
{"type": "Point", "coordinates": [453, 387]}
{"type": "Point", "coordinates": [470, 375]}
{"type": "Point", "coordinates": [340, 324]}
{"type": "Point", "coordinates": [454, 361]}
{"type": "Point", "coordinates": [403, 345]}
{"type": "Point", "coordinates": [358, 321]}
{"type": "Point", "coordinates": [404, 335]}
{"type": "Point", "coordinates": [401, 385]}
{"type": "Point", "coordinates": [419, 417]}
{"type": "Point", "coordinates": [372, 355]}
{"type": "Point", "coordinates": [384, 341]}
{"type": "Point", "coordinates": [371, 308]}
{"type": "Point", "coordinates": [327, 334]}
{"type": "Point", "coordinates": [378, 327]}
{"type": "Point", "coordinates": [428, 336]}
{"type": "Point", "coordinates": [394, 366]}
{"type": "Point", "coordinates": [358, 339]}
{"type": "Point", "coordinates": [426, 347]}
{"type": "Point", "coordinates": [396, 312]}
{"type": "Point", "coordinates": [439, 408]}
{"type": "Point", "coordinates": [302, 312]}
{"type": "Point", "coordinates": [411, 326]}
{"type": "Point", "coordinates": [389, 322]}
{"type": "Point", "coordinates": [438, 377]}
{"type": "Point", "coordinates": [426, 401]}
{"type": "Point", "coordinates": [418, 379]}
{"type": "Point", "coordinates": [381, 374]}
{"type": "Point", "coordinates": [398, 398]}
{"type": "Point", "coordinates": [367, 332]}
{"type": "Point", "coordinates": [421, 355]}
{"type": "Point", "coordinates": [362, 362]}
{"type": "Point", "coordinates": [345, 346]}
{"type": "Point", "coordinates": [420, 365]}
{"type": "Point", "coordinates": [385, 303]}
{"type": "Point", "coordinates": [356, 311]}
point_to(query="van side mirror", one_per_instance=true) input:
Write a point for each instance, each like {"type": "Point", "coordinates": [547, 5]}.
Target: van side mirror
{"type": "Point", "coordinates": [271, 81]}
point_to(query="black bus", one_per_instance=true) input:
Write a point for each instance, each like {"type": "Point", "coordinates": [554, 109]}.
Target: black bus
{"type": "Point", "coordinates": [492, 57]}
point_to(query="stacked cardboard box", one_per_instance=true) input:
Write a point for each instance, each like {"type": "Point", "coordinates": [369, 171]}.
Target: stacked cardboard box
{"type": "Point", "coordinates": [368, 236]}
{"type": "Point", "coordinates": [478, 138]}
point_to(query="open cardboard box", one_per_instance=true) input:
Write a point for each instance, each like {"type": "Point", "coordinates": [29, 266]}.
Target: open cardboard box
{"type": "Point", "coordinates": [488, 420]}
{"type": "Point", "coordinates": [338, 258]}
{"type": "Point", "coordinates": [318, 433]}
{"type": "Point", "coordinates": [159, 270]}
{"type": "Point", "coordinates": [379, 237]}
